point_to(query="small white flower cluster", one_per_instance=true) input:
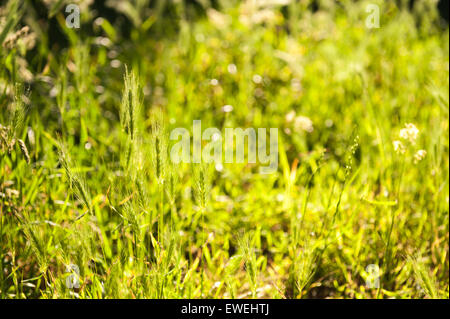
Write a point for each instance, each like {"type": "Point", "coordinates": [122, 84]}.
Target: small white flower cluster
{"type": "Point", "coordinates": [300, 123]}
{"type": "Point", "coordinates": [409, 135]}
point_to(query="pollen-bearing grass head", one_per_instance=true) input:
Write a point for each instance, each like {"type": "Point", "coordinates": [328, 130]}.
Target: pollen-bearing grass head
{"type": "Point", "coordinates": [158, 146]}
{"type": "Point", "coordinates": [202, 184]}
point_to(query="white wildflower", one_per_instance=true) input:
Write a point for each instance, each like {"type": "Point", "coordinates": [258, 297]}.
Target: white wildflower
{"type": "Point", "coordinates": [409, 133]}
{"type": "Point", "coordinates": [227, 108]}
{"type": "Point", "coordinates": [257, 78]}
{"type": "Point", "coordinates": [232, 69]}
{"type": "Point", "coordinates": [290, 116]}
{"type": "Point", "coordinates": [303, 123]}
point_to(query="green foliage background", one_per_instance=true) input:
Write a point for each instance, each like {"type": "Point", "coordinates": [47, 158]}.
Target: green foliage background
{"type": "Point", "coordinates": [99, 191]}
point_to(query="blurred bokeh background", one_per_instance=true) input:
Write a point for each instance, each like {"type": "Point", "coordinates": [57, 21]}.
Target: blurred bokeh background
{"type": "Point", "coordinates": [345, 194]}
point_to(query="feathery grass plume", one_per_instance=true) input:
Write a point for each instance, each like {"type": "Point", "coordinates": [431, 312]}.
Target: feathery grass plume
{"type": "Point", "coordinates": [138, 164]}
{"type": "Point", "coordinates": [82, 242]}
{"type": "Point", "coordinates": [142, 190]}
{"type": "Point", "coordinates": [130, 112]}
{"type": "Point", "coordinates": [129, 213]}
{"type": "Point", "coordinates": [304, 267]}
{"type": "Point", "coordinates": [13, 39]}
{"type": "Point", "coordinates": [16, 116]}
{"type": "Point", "coordinates": [231, 269]}
{"type": "Point", "coordinates": [130, 216]}
{"type": "Point", "coordinates": [159, 146]}
{"type": "Point", "coordinates": [251, 267]}
{"type": "Point", "coordinates": [76, 182]}
{"type": "Point", "coordinates": [18, 110]}
{"type": "Point", "coordinates": [78, 248]}
{"type": "Point", "coordinates": [4, 138]}
{"type": "Point", "coordinates": [9, 135]}
{"type": "Point", "coordinates": [202, 185]}
{"type": "Point", "coordinates": [171, 184]}
{"type": "Point", "coordinates": [24, 150]}
{"type": "Point", "coordinates": [130, 107]}
{"type": "Point", "coordinates": [423, 278]}
{"type": "Point", "coordinates": [171, 188]}
{"type": "Point", "coordinates": [15, 11]}
{"type": "Point", "coordinates": [37, 244]}
{"type": "Point", "coordinates": [202, 189]}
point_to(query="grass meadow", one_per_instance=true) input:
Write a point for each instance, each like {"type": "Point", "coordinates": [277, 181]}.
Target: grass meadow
{"type": "Point", "coordinates": [92, 206]}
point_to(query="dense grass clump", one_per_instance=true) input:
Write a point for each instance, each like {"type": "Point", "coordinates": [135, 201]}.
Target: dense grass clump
{"type": "Point", "coordinates": [92, 206]}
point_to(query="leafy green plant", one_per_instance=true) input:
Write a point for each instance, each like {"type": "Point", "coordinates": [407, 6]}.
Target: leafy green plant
{"type": "Point", "coordinates": [87, 183]}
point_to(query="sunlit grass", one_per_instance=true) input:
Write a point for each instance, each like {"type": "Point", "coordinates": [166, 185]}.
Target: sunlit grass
{"type": "Point", "coordinates": [86, 177]}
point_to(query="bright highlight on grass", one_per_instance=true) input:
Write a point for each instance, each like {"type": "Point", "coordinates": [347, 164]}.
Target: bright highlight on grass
{"type": "Point", "coordinates": [249, 149]}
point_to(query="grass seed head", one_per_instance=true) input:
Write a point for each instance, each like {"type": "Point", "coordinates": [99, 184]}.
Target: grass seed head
{"type": "Point", "coordinates": [202, 184]}
{"type": "Point", "coordinates": [422, 276]}
{"type": "Point", "coordinates": [159, 147]}
{"type": "Point", "coordinates": [171, 185]}
{"type": "Point", "coordinates": [17, 112]}
{"type": "Point", "coordinates": [76, 181]}
{"type": "Point", "coordinates": [24, 150]}
{"type": "Point", "coordinates": [130, 107]}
